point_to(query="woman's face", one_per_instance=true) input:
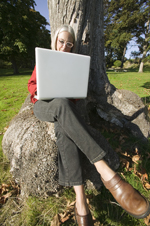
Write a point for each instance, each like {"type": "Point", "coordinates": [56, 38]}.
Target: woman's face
{"type": "Point", "coordinates": [64, 42]}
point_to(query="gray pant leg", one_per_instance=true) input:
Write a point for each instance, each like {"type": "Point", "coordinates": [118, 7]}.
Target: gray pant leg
{"type": "Point", "coordinates": [64, 112]}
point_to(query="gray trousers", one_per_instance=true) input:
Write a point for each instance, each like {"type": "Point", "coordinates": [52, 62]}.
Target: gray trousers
{"type": "Point", "coordinates": [72, 138]}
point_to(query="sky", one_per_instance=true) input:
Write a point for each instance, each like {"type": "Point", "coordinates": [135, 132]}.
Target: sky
{"type": "Point", "coordinates": [42, 7]}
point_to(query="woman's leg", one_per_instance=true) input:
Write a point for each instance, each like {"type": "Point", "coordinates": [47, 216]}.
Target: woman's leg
{"type": "Point", "coordinates": [104, 170]}
{"type": "Point", "coordinates": [64, 112]}
{"type": "Point", "coordinates": [69, 159]}
{"type": "Point", "coordinates": [82, 213]}
{"type": "Point", "coordinates": [106, 173]}
{"type": "Point", "coordinates": [81, 202]}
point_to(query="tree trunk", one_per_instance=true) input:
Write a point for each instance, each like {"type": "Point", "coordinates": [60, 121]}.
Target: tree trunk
{"type": "Point", "coordinates": [123, 56]}
{"type": "Point", "coordinates": [145, 47]}
{"type": "Point", "coordinates": [14, 64]}
{"type": "Point", "coordinates": [141, 66]}
{"type": "Point", "coordinates": [115, 106]}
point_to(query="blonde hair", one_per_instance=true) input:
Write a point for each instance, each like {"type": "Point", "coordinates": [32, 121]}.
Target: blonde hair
{"type": "Point", "coordinates": [67, 28]}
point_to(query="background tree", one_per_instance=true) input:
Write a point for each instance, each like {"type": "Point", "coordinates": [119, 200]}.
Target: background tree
{"type": "Point", "coordinates": [21, 29]}
{"type": "Point", "coordinates": [123, 22]}
{"type": "Point", "coordinates": [117, 106]}
{"type": "Point", "coordinates": [143, 34]}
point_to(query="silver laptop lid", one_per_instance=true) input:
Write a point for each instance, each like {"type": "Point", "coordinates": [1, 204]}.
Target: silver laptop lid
{"type": "Point", "coordinates": [61, 74]}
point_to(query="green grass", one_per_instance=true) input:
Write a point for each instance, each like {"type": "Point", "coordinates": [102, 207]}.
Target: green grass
{"type": "Point", "coordinates": [38, 211]}
{"type": "Point", "coordinates": [138, 83]}
{"type": "Point", "coordinates": [13, 93]}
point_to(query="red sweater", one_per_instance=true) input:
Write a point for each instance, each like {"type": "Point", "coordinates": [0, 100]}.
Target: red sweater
{"type": "Point", "coordinates": [32, 87]}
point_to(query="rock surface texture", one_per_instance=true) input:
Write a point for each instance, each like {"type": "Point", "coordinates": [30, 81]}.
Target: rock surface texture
{"type": "Point", "coordinates": [30, 146]}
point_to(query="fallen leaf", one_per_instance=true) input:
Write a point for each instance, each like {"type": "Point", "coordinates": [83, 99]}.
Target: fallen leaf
{"type": "Point", "coordinates": [144, 176]}
{"type": "Point", "coordinates": [126, 154]}
{"type": "Point", "coordinates": [97, 224]}
{"type": "Point", "coordinates": [55, 221]}
{"type": "Point", "coordinates": [147, 186]}
{"type": "Point", "coordinates": [147, 220]}
{"type": "Point", "coordinates": [4, 188]}
{"type": "Point", "coordinates": [5, 197]}
{"type": "Point", "coordinates": [7, 190]}
{"type": "Point", "coordinates": [127, 165]}
{"type": "Point", "coordinates": [64, 219]}
{"type": "Point", "coordinates": [138, 174]}
{"type": "Point", "coordinates": [135, 171]}
{"type": "Point", "coordinates": [70, 204]}
{"type": "Point", "coordinates": [136, 158]}
{"type": "Point", "coordinates": [136, 150]}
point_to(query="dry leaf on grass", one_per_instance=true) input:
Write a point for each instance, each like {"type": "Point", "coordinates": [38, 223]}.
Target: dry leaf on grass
{"type": "Point", "coordinates": [136, 150]}
{"type": "Point", "coordinates": [4, 188]}
{"type": "Point", "coordinates": [55, 221]}
{"type": "Point", "coordinates": [147, 185]}
{"type": "Point", "coordinates": [136, 158]}
{"type": "Point", "coordinates": [65, 219]}
{"type": "Point", "coordinates": [68, 213]}
{"type": "Point", "coordinates": [70, 204]}
{"type": "Point", "coordinates": [144, 177]}
{"type": "Point", "coordinates": [5, 197]}
{"type": "Point", "coordinates": [125, 163]}
{"type": "Point", "coordinates": [7, 190]}
{"type": "Point", "coordinates": [147, 220]}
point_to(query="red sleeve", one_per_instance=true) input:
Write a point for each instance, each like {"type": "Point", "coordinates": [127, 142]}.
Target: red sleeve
{"type": "Point", "coordinates": [32, 86]}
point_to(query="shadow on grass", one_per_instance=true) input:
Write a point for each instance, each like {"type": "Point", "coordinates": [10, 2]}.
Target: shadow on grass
{"type": "Point", "coordinates": [9, 72]}
{"type": "Point", "coordinates": [146, 85]}
{"type": "Point", "coordinates": [107, 211]}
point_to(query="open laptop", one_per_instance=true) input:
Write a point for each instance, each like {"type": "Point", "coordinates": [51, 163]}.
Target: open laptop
{"type": "Point", "coordinates": [61, 74]}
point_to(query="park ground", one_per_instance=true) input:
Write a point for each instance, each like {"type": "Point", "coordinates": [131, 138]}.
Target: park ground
{"type": "Point", "coordinates": [134, 162]}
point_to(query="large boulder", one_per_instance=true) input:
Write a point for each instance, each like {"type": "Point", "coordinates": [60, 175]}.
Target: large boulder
{"type": "Point", "coordinates": [30, 146]}
{"type": "Point", "coordinates": [127, 110]}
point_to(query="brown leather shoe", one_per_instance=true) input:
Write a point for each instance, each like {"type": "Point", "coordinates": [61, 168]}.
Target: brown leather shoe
{"type": "Point", "coordinates": [128, 198]}
{"type": "Point", "coordinates": [83, 220]}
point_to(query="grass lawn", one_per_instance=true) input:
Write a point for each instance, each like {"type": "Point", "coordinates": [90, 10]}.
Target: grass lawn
{"type": "Point", "coordinates": [138, 83]}
{"type": "Point", "coordinates": [37, 211]}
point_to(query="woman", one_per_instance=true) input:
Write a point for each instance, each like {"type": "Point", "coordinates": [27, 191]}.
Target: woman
{"type": "Point", "coordinates": [73, 138]}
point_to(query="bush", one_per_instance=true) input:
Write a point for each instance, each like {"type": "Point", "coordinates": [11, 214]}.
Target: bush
{"type": "Point", "coordinates": [5, 64]}
{"type": "Point", "coordinates": [117, 63]}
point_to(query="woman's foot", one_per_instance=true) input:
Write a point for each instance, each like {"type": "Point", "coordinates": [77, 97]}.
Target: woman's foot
{"type": "Point", "coordinates": [128, 198]}
{"type": "Point", "coordinates": [83, 220]}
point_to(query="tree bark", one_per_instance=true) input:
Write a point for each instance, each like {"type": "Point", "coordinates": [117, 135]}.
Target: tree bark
{"type": "Point", "coordinates": [14, 64]}
{"type": "Point", "coordinates": [86, 17]}
{"type": "Point", "coordinates": [146, 44]}
{"type": "Point", "coordinates": [123, 56]}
